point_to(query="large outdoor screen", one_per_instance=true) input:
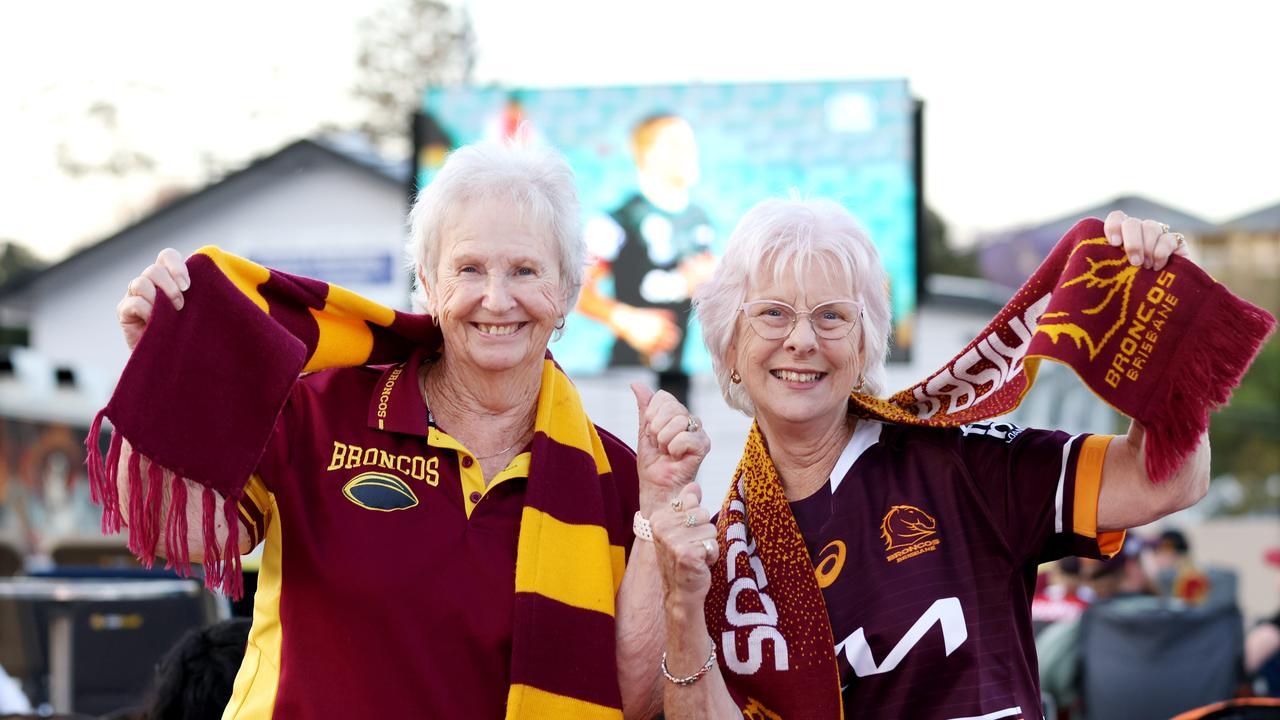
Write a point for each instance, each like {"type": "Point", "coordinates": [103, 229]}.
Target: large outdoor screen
{"type": "Point", "coordinates": [665, 172]}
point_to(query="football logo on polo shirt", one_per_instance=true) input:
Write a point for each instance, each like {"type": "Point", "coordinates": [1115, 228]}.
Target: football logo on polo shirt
{"type": "Point", "coordinates": [380, 491]}
{"type": "Point", "coordinates": [907, 531]}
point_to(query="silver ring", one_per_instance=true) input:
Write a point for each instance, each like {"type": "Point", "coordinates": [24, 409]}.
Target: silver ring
{"type": "Point", "coordinates": [694, 425]}
{"type": "Point", "coordinates": [690, 520]}
{"type": "Point", "coordinates": [709, 545]}
{"type": "Point", "coordinates": [1182, 241]}
{"type": "Point", "coordinates": [1164, 229]}
{"type": "Point", "coordinates": [676, 504]}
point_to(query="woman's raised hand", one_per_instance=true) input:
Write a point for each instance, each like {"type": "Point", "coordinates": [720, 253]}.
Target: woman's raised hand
{"type": "Point", "coordinates": [686, 544]}
{"type": "Point", "coordinates": [168, 275]}
{"type": "Point", "coordinates": [670, 447]}
{"type": "Point", "coordinates": [1147, 243]}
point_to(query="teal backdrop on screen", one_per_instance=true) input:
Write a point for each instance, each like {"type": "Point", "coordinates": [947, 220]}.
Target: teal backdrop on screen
{"type": "Point", "coordinates": [850, 141]}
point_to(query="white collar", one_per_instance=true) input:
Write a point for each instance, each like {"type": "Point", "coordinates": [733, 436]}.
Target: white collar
{"type": "Point", "coordinates": [865, 434]}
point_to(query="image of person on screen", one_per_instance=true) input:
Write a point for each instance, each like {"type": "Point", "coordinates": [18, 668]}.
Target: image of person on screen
{"type": "Point", "coordinates": [657, 248]}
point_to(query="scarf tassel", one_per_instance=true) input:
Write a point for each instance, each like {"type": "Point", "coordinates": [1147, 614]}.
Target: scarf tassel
{"type": "Point", "coordinates": [144, 510]}
{"type": "Point", "coordinates": [222, 565]}
{"type": "Point", "coordinates": [1210, 363]}
{"type": "Point", "coordinates": [177, 557]}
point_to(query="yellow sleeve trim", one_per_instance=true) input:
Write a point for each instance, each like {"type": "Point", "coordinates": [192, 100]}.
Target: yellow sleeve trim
{"type": "Point", "coordinates": [256, 494]}
{"type": "Point", "coordinates": [528, 701]}
{"type": "Point", "coordinates": [1093, 453]}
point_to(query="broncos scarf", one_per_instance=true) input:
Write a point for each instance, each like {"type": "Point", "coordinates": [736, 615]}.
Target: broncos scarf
{"type": "Point", "coordinates": [202, 391]}
{"type": "Point", "coordinates": [1164, 348]}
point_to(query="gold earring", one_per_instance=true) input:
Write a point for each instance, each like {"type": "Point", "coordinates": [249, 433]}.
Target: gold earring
{"type": "Point", "coordinates": [734, 377]}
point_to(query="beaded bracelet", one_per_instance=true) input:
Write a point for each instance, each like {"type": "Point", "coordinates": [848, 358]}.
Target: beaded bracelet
{"type": "Point", "coordinates": [641, 527]}
{"type": "Point", "coordinates": [685, 681]}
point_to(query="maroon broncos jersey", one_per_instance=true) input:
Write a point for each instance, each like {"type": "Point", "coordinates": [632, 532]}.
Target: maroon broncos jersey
{"type": "Point", "coordinates": [925, 544]}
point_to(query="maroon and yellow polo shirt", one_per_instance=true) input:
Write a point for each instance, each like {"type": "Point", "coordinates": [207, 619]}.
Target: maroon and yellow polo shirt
{"type": "Point", "coordinates": [388, 574]}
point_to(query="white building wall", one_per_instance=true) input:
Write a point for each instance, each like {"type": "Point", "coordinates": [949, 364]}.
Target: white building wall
{"type": "Point", "coordinates": [323, 211]}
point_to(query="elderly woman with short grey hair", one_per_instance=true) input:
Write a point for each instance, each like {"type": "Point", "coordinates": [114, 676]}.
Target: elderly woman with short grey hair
{"type": "Point", "coordinates": [413, 565]}
{"type": "Point", "coordinates": [924, 541]}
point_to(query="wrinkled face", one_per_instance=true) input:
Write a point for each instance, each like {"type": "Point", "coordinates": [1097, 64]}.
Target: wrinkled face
{"type": "Point", "coordinates": [497, 293]}
{"type": "Point", "coordinates": [801, 378]}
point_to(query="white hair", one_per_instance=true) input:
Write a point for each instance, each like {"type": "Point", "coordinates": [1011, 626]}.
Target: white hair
{"type": "Point", "coordinates": [780, 236]}
{"type": "Point", "coordinates": [537, 182]}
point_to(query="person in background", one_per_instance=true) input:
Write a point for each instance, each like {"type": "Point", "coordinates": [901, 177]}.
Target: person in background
{"type": "Point", "coordinates": [1262, 643]}
{"type": "Point", "coordinates": [1174, 571]}
{"type": "Point", "coordinates": [657, 248]}
{"type": "Point", "coordinates": [1064, 596]}
{"type": "Point", "coordinates": [1120, 578]}
{"type": "Point", "coordinates": [193, 680]}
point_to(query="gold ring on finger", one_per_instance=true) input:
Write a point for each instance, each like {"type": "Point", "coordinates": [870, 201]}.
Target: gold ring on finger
{"type": "Point", "coordinates": [694, 425]}
{"type": "Point", "coordinates": [677, 504]}
{"type": "Point", "coordinates": [690, 520]}
{"type": "Point", "coordinates": [1164, 229]}
{"type": "Point", "coordinates": [1182, 241]}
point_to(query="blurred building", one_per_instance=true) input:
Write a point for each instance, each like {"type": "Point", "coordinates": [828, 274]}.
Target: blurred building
{"type": "Point", "coordinates": [1009, 257]}
{"type": "Point", "coordinates": [325, 209]}
{"type": "Point", "coordinates": [1244, 253]}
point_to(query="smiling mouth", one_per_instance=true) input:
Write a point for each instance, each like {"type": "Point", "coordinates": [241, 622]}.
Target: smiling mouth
{"type": "Point", "coordinates": [506, 329]}
{"type": "Point", "coordinates": [800, 377]}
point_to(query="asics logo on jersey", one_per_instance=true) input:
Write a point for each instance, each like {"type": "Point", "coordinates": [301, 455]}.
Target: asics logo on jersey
{"type": "Point", "coordinates": [907, 531]}
{"type": "Point", "coordinates": [380, 491]}
{"type": "Point", "coordinates": [832, 562]}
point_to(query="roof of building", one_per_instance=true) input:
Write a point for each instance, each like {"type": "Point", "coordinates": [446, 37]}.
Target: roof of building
{"type": "Point", "coordinates": [1266, 219]}
{"type": "Point", "coordinates": [344, 149]}
{"type": "Point", "coordinates": [1011, 256]}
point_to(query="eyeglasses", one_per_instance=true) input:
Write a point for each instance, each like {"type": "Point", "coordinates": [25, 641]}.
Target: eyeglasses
{"type": "Point", "coordinates": [774, 320]}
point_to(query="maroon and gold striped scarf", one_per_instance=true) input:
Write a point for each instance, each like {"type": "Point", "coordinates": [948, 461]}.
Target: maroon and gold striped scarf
{"type": "Point", "coordinates": [1164, 348]}
{"type": "Point", "coordinates": [201, 394]}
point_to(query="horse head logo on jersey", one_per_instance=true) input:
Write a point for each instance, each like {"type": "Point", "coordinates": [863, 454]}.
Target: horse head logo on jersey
{"type": "Point", "coordinates": [1110, 281]}
{"type": "Point", "coordinates": [906, 525]}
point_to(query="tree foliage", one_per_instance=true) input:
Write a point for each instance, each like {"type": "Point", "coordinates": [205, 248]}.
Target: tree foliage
{"type": "Point", "coordinates": [407, 46]}
{"type": "Point", "coordinates": [112, 154]}
{"type": "Point", "coordinates": [1245, 435]}
{"type": "Point", "coordinates": [17, 261]}
{"type": "Point", "coordinates": [940, 257]}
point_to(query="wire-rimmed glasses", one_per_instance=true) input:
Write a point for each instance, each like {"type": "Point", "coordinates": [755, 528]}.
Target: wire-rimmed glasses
{"type": "Point", "coordinates": [774, 319]}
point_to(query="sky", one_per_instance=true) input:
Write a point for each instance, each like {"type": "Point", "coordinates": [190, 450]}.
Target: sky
{"type": "Point", "coordinates": [1033, 110]}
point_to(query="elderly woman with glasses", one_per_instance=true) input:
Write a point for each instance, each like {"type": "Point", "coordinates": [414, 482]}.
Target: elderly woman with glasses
{"type": "Point", "coordinates": [924, 541]}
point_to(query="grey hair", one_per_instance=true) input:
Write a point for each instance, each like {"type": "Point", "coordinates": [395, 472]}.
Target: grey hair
{"type": "Point", "coordinates": [780, 236]}
{"type": "Point", "coordinates": [537, 181]}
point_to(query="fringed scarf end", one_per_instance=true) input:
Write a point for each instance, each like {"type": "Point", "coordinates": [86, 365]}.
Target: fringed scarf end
{"type": "Point", "coordinates": [145, 521]}
{"type": "Point", "coordinates": [93, 459]}
{"type": "Point", "coordinates": [177, 556]}
{"type": "Point", "coordinates": [109, 489]}
{"type": "Point", "coordinates": [1210, 364]}
{"type": "Point", "coordinates": [222, 571]}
